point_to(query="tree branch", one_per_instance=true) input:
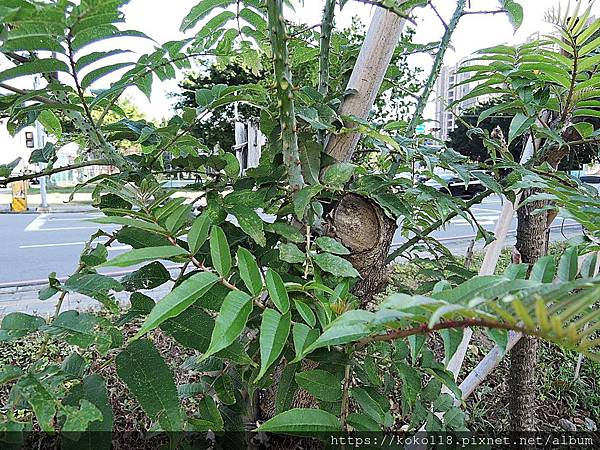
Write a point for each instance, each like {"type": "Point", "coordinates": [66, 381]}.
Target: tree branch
{"type": "Point", "coordinates": [496, 11]}
{"type": "Point", "coordinates": [434, 226]}
{"type": "Point", "coordinates": [393, 9]}
{"type": "Point", "coordinates": [450, 324]}
{"type": "Point", "coordinates": [25, 92]}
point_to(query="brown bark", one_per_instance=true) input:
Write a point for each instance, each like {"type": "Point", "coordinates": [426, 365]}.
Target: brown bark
{"type": "Point", "coordinates": [532, 243]}
{"type": "Point", "coordinates": [364, 228]}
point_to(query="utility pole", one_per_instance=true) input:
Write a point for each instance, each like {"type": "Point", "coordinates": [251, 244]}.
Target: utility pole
{"type": "Point", "coordinates": [40, 140]}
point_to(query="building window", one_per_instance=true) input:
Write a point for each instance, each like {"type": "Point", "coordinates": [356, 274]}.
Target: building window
{"type": "Point", "coordinates": [29, 142]}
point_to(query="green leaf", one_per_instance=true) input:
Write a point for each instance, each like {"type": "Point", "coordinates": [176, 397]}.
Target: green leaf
{"type": "Point", "coordinates": [285, 230]}
{"type": "Point", "coordinates": [99, 432]}
{"type": "Point", "coordinates": [363, 423]}
{"type": "Point", "coordinates": [51, 123]}
{"type": "Point", "coordinates": [148, 226]}
{"type": "Point", "coordinates": [310, 159]}
{"type": "Point", "coordinates": [303, 197]}
{"type": "Point", "coordinates": [335, 265]}
{"type": "Point", "coordinates": [141, 305]}
{"type": "Point", "coordinates": [543, 270]}
{"type": "Point", "coordinates": [232, 168]}
{"type": "Point", "coordinates": [338, 335]}
{"type": "Point", "coordinates": [78, 418]}
{"type": "Point", "coordinates": [201, 10]}
{"type": "Point", "coordinates": [150, 276]}
{"type": "Point", "coordinates": [219, 251]}
{"type": "Point", "coordinates": [301, 420]}
{"type": "Point", "coordinates": [9, 373]}
{"type": "Point", "coordinates": [330, 245]}
{"type": "Point", "coordinates": [141, 255]}
{"type": "Point", "coordinates": [368, 404]}
{"type": "Point", "coordinates": [338, 174]}
{"type": "Point", "coordinates": [18, 321]}
{"type": "Point", "coordinates": [198, 233]}
{"type": "Point", "coordinates": [6, 169]}
{"type": "Point", "coordinates": [286, 388]}
{"type": "Point", "coordinates": [43, 403]}
{"type": "Point", "coordinates": [274, 331]}
{"type": "Point", "coordinates": [192, 328]}
{"type": "Point", "coordinates": [306, 312]}
{"type": "Point", "coordinates": [588, 268]}
{"type": "Point", "coordinates": [277, 291]}
{"type": "Point", "coordinates": [230, 322]}
{"type": "Point", "coordinates": [514, 12]}
{"type": "Point", "coordinates": [144, 371]}
{"type": "Point", "coordinates": [178, 300]}
{"type": "Point", "coordinates": [519, 125]}
{"type": "Point", "coordinates": [34, 67]}
{"type": "Point", "coordinates": [250, 222]}
{"type": "Point", "coordinates": [320, 384]}
{"type": "Point", "coordinates": [411, 383]}
{"type": "Point", "coordinates": [249, 271]}
{"type": "Point", "coordinates": [96, 74]}
{"type": "Point", "coordinates": [47, 154]}
{"type": "Point", "coordinates": [567, 265]}
{"type": "Point", "coordinates": [291, 253]}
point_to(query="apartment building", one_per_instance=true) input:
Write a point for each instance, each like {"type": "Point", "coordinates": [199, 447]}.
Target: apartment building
{"type": "Point", "coordinates": [448, 90]}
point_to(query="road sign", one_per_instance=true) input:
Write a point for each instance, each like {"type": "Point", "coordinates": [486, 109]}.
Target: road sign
{"type": "Point", "coordinates": [421, 129]}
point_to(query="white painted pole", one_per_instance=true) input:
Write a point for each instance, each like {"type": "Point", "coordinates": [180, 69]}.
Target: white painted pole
{"type": "Point", "coordinates": [40, 141]}
{"type": "Point", "coordinates": [366, 78]}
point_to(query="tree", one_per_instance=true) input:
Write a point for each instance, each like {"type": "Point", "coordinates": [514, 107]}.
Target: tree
{"type": "Point", "coordinates": [472, 145]}
{"type": "Point", "coordinates": [219, 128]}
{"type": "Point", "coordinates": [283, 305]}
{"type": "Point", "coordinates": [549, 93]}
{"type": "Point", "coordinates": [466, 141]}
{"type": "Point", "coordinates": [393, 104]}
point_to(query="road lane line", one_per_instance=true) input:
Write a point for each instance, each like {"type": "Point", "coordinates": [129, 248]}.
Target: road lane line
{"type": "Point", "coordinates": [37, 223]}
{"type": "Point", "coordinates": [66, 228]}
{"type": "Point", "coordinates": [62, 244]}
{"type": "Point", "coordinates": [66, 244]}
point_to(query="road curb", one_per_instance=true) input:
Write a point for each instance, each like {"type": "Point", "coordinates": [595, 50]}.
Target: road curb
{"type": "Point", "coordinates": [51, 211]}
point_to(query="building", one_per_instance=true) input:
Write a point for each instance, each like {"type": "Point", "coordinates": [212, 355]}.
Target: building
{"type": "Point", "coordinates": [448, 90]}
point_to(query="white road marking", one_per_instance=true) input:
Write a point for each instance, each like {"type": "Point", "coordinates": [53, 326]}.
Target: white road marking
{"type": "Point", "coordinates": [66, 228]}
{"type": "Point", "coordinates": [78, 219]}
{"type": "Point", "coordinates": [37, 223]}
{"type": "Point", "coordinates": [63, 244]}
{"type": "Point", "coordinates": [121, 247]}
{"type": "Point", "coordinates": [477, 209]}
{"type": "Point", "coordinates": [66, 244]}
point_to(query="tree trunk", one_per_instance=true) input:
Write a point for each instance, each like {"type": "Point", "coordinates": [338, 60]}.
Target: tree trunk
{"type": "Point", "coordinates": [364, 228]}
{"type": "Point", "coordinates": [532, 244]}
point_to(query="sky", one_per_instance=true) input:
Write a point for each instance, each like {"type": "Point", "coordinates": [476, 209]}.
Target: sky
{"type": "Point", "coordinates": [474, 32]}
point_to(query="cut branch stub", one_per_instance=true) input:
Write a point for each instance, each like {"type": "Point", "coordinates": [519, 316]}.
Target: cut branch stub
{"type": "Point", "coordinates": [363, 227]}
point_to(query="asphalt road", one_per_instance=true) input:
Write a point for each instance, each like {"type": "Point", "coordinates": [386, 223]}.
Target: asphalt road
{"type": "Point", "coordinates": [33, 245]}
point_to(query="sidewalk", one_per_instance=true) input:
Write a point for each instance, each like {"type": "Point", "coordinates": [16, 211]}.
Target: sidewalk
{"type": "Point", "coordinates": [25, 299]}
{"type": "Point", "coordinates": [59, 202]}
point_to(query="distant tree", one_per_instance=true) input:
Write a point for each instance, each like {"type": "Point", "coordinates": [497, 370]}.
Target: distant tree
{"type": "Point", "coordinates": [218, 129]}
{"type": "Point", "coordinates": [471, 144]}
{"type": "Point", "coordinates": [393, 104]}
